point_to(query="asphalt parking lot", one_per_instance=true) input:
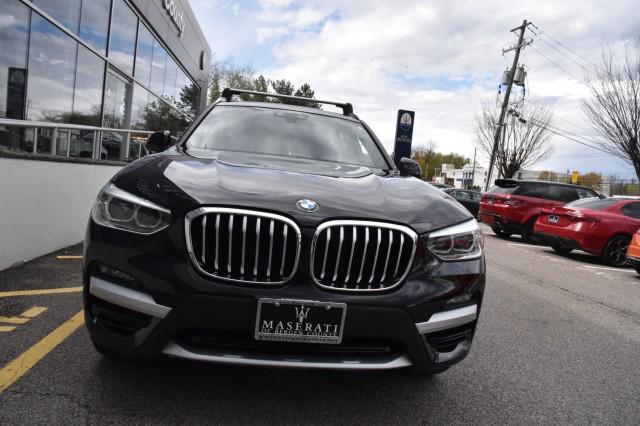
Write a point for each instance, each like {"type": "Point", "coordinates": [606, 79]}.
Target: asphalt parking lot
{"type": "Point", "coordinates": [558, 342]}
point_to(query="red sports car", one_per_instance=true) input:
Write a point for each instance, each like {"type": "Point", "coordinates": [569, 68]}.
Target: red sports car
{"type": "Point", "coordinates": [600, 226]}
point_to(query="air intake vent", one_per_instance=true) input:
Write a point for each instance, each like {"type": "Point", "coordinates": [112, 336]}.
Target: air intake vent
{"type": "Point", "coordinates": [243, 245]}
{"type": "Point", "coordinates": [356, 256]}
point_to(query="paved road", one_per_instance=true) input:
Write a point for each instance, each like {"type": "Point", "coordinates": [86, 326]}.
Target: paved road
{"type": "Point", "coordinates": [558, 342]}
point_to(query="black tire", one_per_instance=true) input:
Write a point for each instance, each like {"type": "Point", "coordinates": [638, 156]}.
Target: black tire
{"type": "Point", "coordinates": [615, 252]}
{"type": "Point", "coordinates": [106, 352]}
{"type": "Point", "coordinates": [500, 232]}
{"type": "Point", "coordinates": [527, 234]}
{"type": "Point", "coordinates": [562, 250]}
{"type": "Point", "coordinates": [637, 268]}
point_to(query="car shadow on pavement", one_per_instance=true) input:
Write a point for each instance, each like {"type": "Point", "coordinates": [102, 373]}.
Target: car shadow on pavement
{"type": "Point", "coordinates": [233, 394]}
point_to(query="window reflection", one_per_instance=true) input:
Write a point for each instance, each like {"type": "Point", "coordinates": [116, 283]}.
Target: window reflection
{"type": "Point", "coordinates": [124, 25]}
{"type": "Point", "coordinates": [116, 95]}
{"type": "Point", "coordinates": [14, 32]}
{"type": "Point", "coordinates": [88, 89]}
{"type": "Point", "coordinates": [52, 61]}
{"type": "Point", "coordinates": [144, 55]}
{"type": "Point", "coordinates": [158, 67]}
{"type": "Point", "coordinates": [139, 105]}
{"type": "Point", "coordinates": [67, 12]}
{"type": "Point", "coordinates": [94, 23]}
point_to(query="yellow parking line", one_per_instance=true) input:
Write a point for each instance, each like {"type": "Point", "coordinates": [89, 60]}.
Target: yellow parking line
{"type": "Point", "coordinates": [11, 372]}
{"type": "Point", "coordinates": [39, 292]}
{"type": "Point", "coordinates": [14, 320]}
{"type": "Point", "coordinates": [33, 312]}
{"type": "Point", "coordinates": [6, 328]}
{"type": "Point", "coordinates": [65, 257]}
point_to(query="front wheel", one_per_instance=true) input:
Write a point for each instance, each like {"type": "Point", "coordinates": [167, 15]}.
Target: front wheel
{"type": "Point", "coordinates": [637, 268]}
{"type": "Point", "coordinates": [615, 253]}
{"type": "Point", "coordinates": [528, 236]}
{"type": "Point", "coordinates": [500, 232]}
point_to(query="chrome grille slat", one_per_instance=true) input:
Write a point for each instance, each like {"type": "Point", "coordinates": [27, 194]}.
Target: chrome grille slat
{"type": "Point", "coordinates": [247, 247]}
{"type": "Point", "coordinates": [385, 252]}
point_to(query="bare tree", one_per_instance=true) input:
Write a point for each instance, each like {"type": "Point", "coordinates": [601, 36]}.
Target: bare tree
{"type": "Point", "coordinates": [524, 141]}
{"type": "Point", "coordinates": [614, 105]}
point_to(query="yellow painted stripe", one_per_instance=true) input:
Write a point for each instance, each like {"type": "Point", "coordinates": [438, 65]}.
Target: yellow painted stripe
{"type": "Point", "coordinates": [65, 257]}
{"type": "Point", "coordinates": [33, 312]}
{"type": "Point", "coordinates": [6, 328]}
{"type": "Point", "coordinates": [14, 320]}
{"type": "Point", "coordinates": [11, 372]}
{"type": "Point", "coordinates": [18, 293]}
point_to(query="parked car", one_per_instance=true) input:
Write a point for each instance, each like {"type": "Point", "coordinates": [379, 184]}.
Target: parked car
{"type": "Point", "coordinates": [602, 227]}
{"type": "Point", "coordinates": [513, 206]}
{"type": "Point", "coordinates": [282, 236]}
{"type": "Point", "coordinates": [633, 252]}
{"type": "Point", "coordinates": [469, 199]}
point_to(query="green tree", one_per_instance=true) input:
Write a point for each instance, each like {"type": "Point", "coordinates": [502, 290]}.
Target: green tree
{"type": "Point", "coordinates": [591, 179]}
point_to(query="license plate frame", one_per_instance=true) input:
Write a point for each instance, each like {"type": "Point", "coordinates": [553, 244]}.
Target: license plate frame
{"type": "Point", "coordinates": [293, 324]}
{"type": "Point", "coordinates": [553, 219]}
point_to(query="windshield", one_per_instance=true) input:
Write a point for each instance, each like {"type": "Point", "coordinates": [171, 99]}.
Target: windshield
{"type": "Point", "coordinates": [594, 203]}
{"type": "Point", "coordinates": [500, 190]}
{"type": "Point", "coordinates": [285, 133]}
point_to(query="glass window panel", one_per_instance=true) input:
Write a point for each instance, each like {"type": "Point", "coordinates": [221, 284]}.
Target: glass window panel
{"type": "Point", "coordinates": [88, 90]}
{"type": "Point", "coordinates": [94, 23]}
{"type": "Point", "coordinates": [67, 12]}
{"type": "Point", "coordinates": [52, 63]}
{"type": "Point", "coordinates": [158, 67]}
{"type": "Point", "coordinates": [124, 25]}
{"type": "Point", "coordinates": [169, 90]}
{"type": "Point", "coordinates": [144, 55]}
{"type": "Point", "coordinates": [81, 145]}
{"type": "Point", "coordinates": [139, 104]}
{"type": "Point", "coordinates": [16, 140]}
{"type": "Point", "coordinates": [14, 32]}
{"type": "Point", "coordinates": [115, 113]}
{"type": "Point", "coordinates": [137, 146]}
{"type": "Point", "coordinates": [62, 142]}
{"type": "Point", "coordinates": [161, 116]}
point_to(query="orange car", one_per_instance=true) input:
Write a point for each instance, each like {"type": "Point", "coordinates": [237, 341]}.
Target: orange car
{"type": "Point", "coordinates": [633, 252]}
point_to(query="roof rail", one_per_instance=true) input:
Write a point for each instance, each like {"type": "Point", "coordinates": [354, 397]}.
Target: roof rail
{"type": "Point", "coordinates": [227, 93]}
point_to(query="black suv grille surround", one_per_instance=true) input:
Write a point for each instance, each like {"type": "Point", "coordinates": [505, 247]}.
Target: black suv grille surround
{"type": "Point", "coordinates": [361, 256]}
{"type": "Point", "coordinates": [243, 246]}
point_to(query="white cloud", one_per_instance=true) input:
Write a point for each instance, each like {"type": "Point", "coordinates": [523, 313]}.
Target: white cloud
{"type": "Point", "coordinates": [439, 58]}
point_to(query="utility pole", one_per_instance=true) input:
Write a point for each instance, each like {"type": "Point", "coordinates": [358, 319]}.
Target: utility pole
{"type": "Point", "coordinates": [473, 171]}
{"type": "Point", "coordinates": [505, 103]}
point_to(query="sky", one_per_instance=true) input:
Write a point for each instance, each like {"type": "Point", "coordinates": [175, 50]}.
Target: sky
{"type": "Point", "coordinates": [441, 59]}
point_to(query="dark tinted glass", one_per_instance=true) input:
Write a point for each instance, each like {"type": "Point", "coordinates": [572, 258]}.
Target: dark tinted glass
{"type": "Point", "coordinates": [287, 134]}
{"type": "Point", "coordinates": [586, 193]}
{"type": "Point", "coordinates": [565, 194]}
{"type": "Point", "coordinates": [87, 98]}
{"type": "Point", "coordinates": [52, 63]}
{"type": "Point", "coordinates": [144, 55]}
{"type": "Point", "coordinates": [476, 196]}
{"type": "Point", "coordinates": [124, 26]}
{"type": "Point", "coordinates": [532, 189]}
{"type": "Point", "coordinates": [157, 68]}
{"type": "Point", "coordinates": [14, 32]}
{"type": "Point", "coordinates": [94, 23]}
{"type": "Point", "coordinates": [160, 116]}
{"type": "Point", "coordinates": [632, 210]}
{"type": "Point", "coordinates": [594, 203]}
{"type": "Point", "coordinates": [500, 190]}
{"type": "Point", "coordinates": [67, 12]}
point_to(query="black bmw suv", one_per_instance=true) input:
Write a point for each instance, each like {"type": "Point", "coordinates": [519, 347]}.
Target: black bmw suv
{"type": "Point", "coordinates": [281, 235]}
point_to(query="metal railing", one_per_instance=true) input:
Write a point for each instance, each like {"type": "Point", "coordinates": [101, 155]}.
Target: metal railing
{"type": "Point", "coordinates": [44, 138]}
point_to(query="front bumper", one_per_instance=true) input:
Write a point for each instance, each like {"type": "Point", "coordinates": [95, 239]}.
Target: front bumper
{"type": "Point", "coordinates": [217, 329]}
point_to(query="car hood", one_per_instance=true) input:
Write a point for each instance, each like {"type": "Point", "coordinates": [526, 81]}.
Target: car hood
{"type": "Point", "coordinates": [182, 183]}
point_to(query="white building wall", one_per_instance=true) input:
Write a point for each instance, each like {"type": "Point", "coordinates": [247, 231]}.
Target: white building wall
{"type": "Point", "coordinates": [45, 205]}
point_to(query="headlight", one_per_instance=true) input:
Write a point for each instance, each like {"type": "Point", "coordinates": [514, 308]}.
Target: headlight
{"type": "Point", "coordinates": [119, 209]}
{"type": "Point", "coordinates": [459, 242]}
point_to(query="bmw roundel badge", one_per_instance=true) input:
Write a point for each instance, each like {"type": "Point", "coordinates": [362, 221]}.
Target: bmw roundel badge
{"type": "Point", "coordinates": [307, 205]}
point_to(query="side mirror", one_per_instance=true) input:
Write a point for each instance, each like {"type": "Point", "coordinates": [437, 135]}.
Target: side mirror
{"type": "Point", "coordinates": [409, 167]}
{"type": "Point", "coordinates": [159, 141]}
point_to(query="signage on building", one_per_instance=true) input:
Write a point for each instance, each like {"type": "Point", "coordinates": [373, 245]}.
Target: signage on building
{"type": "Point", "coordinates": [176, 15]}
{"type": "Point", "coordinates": [404, 134]}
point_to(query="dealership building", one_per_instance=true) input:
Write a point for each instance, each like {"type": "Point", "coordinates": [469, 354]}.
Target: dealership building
{"type": "Point", "coordinates": [82, 85]}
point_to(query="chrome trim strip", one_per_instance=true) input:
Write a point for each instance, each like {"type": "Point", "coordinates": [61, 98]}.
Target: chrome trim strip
{"type": "Point", "coordinates": [448, 319]}
{"type": "Point", "coordinates": [395, 273]}
{"type": "Point", "coordinates": [284, 248]}
{"type": "Point", "coordinates": [254, 213]}
{"type": "Point", "coordinates": [404, 230]}
{"type": "Point", "coordinates": [326, 250]}
{"type": "Point", "coordinates": [364, 254]}
{"type": "Point", "coordinates": [270, 249]}
{"type": "Point", "coordinates": [335, 274]}
{"type": "Point", "coordinates": [386, 261]}
{"type": "Point", "coordinates": [375, 258]}
{"type": "Point", "coordinates": [230, 252]}
{"type": "Point", "coordinates": [244, 241]}
{"type": "Point", "coordinates": [174, 350]}
{"type": "Point", "coordinates": [204, 234]}
{"type": "Point", "coordinates": [354, 238]}
{"type": "Point", "coordinates": [217, 240]}
{"type": "Point", "coordinates": [127, 298]}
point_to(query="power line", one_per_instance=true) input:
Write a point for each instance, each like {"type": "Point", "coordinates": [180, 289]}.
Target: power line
{"type": "Point", "coordinates": [554, 63]}
{"type": "Point", "coordinates": [564, 45]}
{"type": "Point", "coordinates": [565, 55]}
